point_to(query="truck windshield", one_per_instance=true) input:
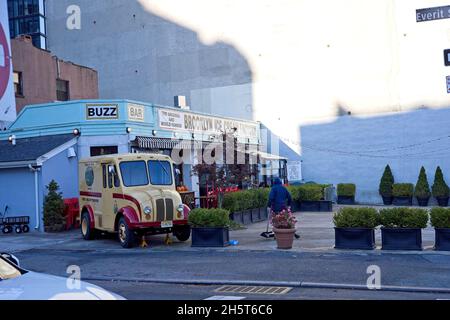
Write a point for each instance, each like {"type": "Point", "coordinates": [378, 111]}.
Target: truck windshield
{"type": "Point", "coordinates": [160, 172]}
{"type": "Point", "coordinates": [7, 271]}
{"type": "Point", "coordinates": [134, 173]}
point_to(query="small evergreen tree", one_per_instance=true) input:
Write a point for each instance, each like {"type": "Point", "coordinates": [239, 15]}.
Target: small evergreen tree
{"type": "Point", "coordinates": [387, 180]}
{"type": "Point", "coordinates": [422, 189]}
{"type": "Point", "coordinates": [440, 188]}
{"type": "Point", "coordinates": [53, 206]}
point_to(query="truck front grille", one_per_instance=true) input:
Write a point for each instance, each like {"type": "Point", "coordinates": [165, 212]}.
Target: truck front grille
{"type": "Point", "coordinates": [160, 210]}
{"type": "Point", "coordinates": [169, 209]}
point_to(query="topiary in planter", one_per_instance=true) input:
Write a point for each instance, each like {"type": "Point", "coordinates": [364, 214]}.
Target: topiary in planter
{"type": "Point", "coordinates": [440, 220]}
{"type": "Point", "coordinates": [440, 189]}
{"type": "Point", "coordinates": [422, 189]}
{"type": "Point", "coordinates": [402, 189]}
{"type": "Point", "coordinates": [54, 208]}
{"type": "Point", "coordinates": [356, 218]}
{"type": "Point", "coordinates": [346, 193]}
{"type": "Point", "coordinates": [310, 192]}
{"type": "Point", "coordinates": [385, 188]}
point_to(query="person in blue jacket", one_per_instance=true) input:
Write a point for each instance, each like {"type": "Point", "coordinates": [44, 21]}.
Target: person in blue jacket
{"type": "Point", "coordinates": [279, 198]}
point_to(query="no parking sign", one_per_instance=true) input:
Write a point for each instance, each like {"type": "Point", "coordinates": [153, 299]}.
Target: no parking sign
{"type": "Point", "coordinates": [7, 102]}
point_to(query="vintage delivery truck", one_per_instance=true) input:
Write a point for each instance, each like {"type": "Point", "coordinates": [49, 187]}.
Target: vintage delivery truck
{"type": "Point", "coordinates": [131, 195]}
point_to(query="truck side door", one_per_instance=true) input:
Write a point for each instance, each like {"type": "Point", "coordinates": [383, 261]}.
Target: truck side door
{"type": "Point", "coordinates": [111, 185]}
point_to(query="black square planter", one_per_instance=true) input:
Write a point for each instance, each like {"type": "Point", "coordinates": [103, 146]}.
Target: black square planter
{"type": "Point", "coordinates": [401, 238]}
{"type": "Point", "coordinates": [402, 201]}
{"type": "Point", "coordinates": [237, 217]}
{"type": "Point", "coordinates": [354, 238]}
{"type": "Point", "coordinates": [255, 215]}
{"type": "Point", "coordinates": [263, 213]}
{"type": "Point", "coordinates": [442, 201]}
{"type": "Point", "coordinates": [295, 206]}
{"type": "Point", "coordinates": [346, 200]}
{"type": "Point", "coordinates": [247, 217]}
{"type": "Point", "coordinates": [210, 237]}
{"type": "Point", "coordinates": [316, 206]}
{"type": "Point", "coordinates": [442, 239]}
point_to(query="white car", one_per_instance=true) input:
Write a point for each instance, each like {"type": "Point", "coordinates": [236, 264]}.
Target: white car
{"type": "Point", "coordinates": [19, 284]}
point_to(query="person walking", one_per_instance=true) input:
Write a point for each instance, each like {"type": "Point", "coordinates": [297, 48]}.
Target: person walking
{"type": "Point", "coordinates": [279, 198]}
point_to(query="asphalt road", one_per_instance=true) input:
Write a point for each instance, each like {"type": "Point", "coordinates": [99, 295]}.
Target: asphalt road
{"type": "Point", "coordinates": [401, 270]}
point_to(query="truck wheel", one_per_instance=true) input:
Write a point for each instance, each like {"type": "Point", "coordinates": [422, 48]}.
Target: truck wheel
{"type": "Point", "coordinates": [182, 233]}
{"type": "Point", "coordinates": [86, 231]}
{"type": "Point", "coordinates": [126, 235]}
{"type": "Point", "coordinates": [18, 229]}
{"type": "Point", "coordinates": [25, 229]}
{"type": "Point", "coordinates": [7, 229]}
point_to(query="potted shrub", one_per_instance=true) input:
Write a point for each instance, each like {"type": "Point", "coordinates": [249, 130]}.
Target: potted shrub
{"type": "Point", "coordinates": [422, 189]}
{"type": "Point", "coordinates": [346, 193]}
{"type": "Point", "coordinates": [54, 220]}
{"type": "Point", "coordinates": [310, 197]}
{"type": "Point", "coordinates": [402, 228]}
{"type": "Point", "coordinates": [210, 227]}
{"type": "Point", "coordinates": [355, 228]}
{"type": "Point", "coordinates": [440, 189]}
{"type": "Point", "coordinates": [403, 194]}
{"type": "Point", "coordinates": [385, 188]}
{"type": "Point", "coordinates": [440, 220]}
{"type": "Point", "coordinates": [284, 228]}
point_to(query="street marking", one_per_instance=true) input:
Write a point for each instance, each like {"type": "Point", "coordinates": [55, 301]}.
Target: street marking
{"type": "Point", "coordinates": [254, 290]}
{"type": "Point", "coordinates": [225, 298]}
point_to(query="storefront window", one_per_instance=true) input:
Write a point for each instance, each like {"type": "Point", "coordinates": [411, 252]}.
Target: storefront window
{"type": "Point", "coordinates": [134, 173]}
{"type": "Point", "coordinates": [160, 172]}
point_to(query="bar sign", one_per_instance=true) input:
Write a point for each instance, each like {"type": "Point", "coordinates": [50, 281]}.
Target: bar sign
{"type": "Point", "coordinates": [447, 57]}
{"type": "Point", "coordinates": [448, 84]}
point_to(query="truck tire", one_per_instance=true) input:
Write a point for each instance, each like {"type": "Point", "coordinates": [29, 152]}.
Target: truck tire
{"type": "Point", "coordinates": [18, 229]}
{"type": "Point", "coordinates": [125, 234]}
{"type": "Point", "coordinates": [86, 231]}
{"type": "Point", "coordinates": [7, 229]}
{"type": "Point", "coordinates": [25, 229]}
{"type": "Point", "coordinates": [182, 233]}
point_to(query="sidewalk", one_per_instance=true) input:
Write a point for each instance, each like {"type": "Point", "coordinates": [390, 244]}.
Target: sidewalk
{"type": "Point", "coordinates": [315, 229]}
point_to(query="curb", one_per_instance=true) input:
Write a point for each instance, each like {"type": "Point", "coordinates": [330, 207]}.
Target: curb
{"type": "Point", "coordinates": [295, 284]}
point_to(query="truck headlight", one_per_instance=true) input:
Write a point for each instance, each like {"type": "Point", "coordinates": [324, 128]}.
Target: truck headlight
{"type": "Point", "coordinates": [148, 210]}
{"type": "Point", "coordinates": [180, 208]}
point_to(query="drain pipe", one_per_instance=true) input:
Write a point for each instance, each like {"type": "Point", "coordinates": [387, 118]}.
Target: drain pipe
{"type": "Point", "coordinates": [36, 194]}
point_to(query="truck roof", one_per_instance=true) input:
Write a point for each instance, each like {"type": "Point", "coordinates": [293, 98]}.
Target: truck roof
{"type": "Point", "coordinates": [127, 156]}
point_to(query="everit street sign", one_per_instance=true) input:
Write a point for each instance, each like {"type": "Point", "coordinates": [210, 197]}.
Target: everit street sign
{"type": "Point", "coordinates": [430, 14]}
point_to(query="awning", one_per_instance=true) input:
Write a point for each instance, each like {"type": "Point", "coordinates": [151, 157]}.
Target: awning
{"type": "Point", "coordinates": [267, 156]}
{"type": "Point", "coordinates": [164, 143]}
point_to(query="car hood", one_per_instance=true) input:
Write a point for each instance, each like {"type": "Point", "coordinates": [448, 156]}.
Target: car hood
{"type": "Point", "coordinates": [38, 286]}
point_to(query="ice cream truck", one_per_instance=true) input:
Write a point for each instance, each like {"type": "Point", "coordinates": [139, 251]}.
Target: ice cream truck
{"type": "Point", "coordinates": [131, 195]}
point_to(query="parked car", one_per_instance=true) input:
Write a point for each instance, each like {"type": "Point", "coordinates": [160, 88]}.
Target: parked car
{"type": "Point", "coordinates": [17, 283]}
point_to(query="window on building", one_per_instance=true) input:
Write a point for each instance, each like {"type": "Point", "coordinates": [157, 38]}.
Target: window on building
{"type": "Point", "coordinates": [62, 90]}
{"type": "Point", "coordinates": [101, 151]}
{"type": "Point", "coordinates": [18, 83]}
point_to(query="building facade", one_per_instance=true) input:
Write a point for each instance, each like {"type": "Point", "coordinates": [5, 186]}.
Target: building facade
{"type": "Point", "coordinates": [47, 140]}
{"type": "Point", "coordinates": [39, 77]}
{"type": "Point", "coordinates": [27, 17]}
{"type": "Point", "coordinates": [298, 67]}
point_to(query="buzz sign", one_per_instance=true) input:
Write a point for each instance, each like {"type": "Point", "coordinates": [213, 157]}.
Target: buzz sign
{"type": "Point", "coordinates": [102, 112]}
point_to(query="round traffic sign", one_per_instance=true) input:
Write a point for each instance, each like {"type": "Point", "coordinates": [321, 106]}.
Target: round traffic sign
{"type": "Point", "coordinates": [5, 63]}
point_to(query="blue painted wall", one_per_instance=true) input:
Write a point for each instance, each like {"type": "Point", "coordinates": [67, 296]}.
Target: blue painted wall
{"type": "Point", "coordinates": [357, 149]}
{"type": "Point", "coordinates": [17, 191]}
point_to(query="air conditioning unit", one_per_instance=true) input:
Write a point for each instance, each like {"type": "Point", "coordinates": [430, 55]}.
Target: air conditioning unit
{"type": "Point", "coordinates": [180, 102]}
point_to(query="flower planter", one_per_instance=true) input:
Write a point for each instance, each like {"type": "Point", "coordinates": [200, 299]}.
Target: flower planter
{"type": "Point", "coordinates": [346, 200]}
{"type": "Point", "coordinates": [316, 206]}
{"type": "Point", "coordinates": [401, 238]}
{"type": "Point", "coordinates": [354, 238]}
{"type": "Point", "coordinates": [442, 239]}
{"type": "Point", "coordinates": [210, 237]}
{"type": "Point", "coordinates": [402, 201]}
{"type": "Point", "coordinates": [423, 202]}
{"type": "Point", "coordinates": [284, 237]}
{"type": "Point", "coordinates": [442, 201]}
{"type": "Point", "coordinates": [387, 200]}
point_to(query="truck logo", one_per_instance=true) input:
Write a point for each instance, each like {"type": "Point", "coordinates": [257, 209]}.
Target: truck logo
{"type": "Point", "coordinates": [102, 111]}
{"type": "Point", "coordinates": [89, 176]}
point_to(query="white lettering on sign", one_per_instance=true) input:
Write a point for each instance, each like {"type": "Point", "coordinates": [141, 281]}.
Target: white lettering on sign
{"type": "Point", "coordinates": [102, 111]}
{"type": "Point", "coordinates": [186, 121]}
{"type": "Point", "coordinates": [448, 84]}
{"type": "Point", "coordinates": [136, 113]}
